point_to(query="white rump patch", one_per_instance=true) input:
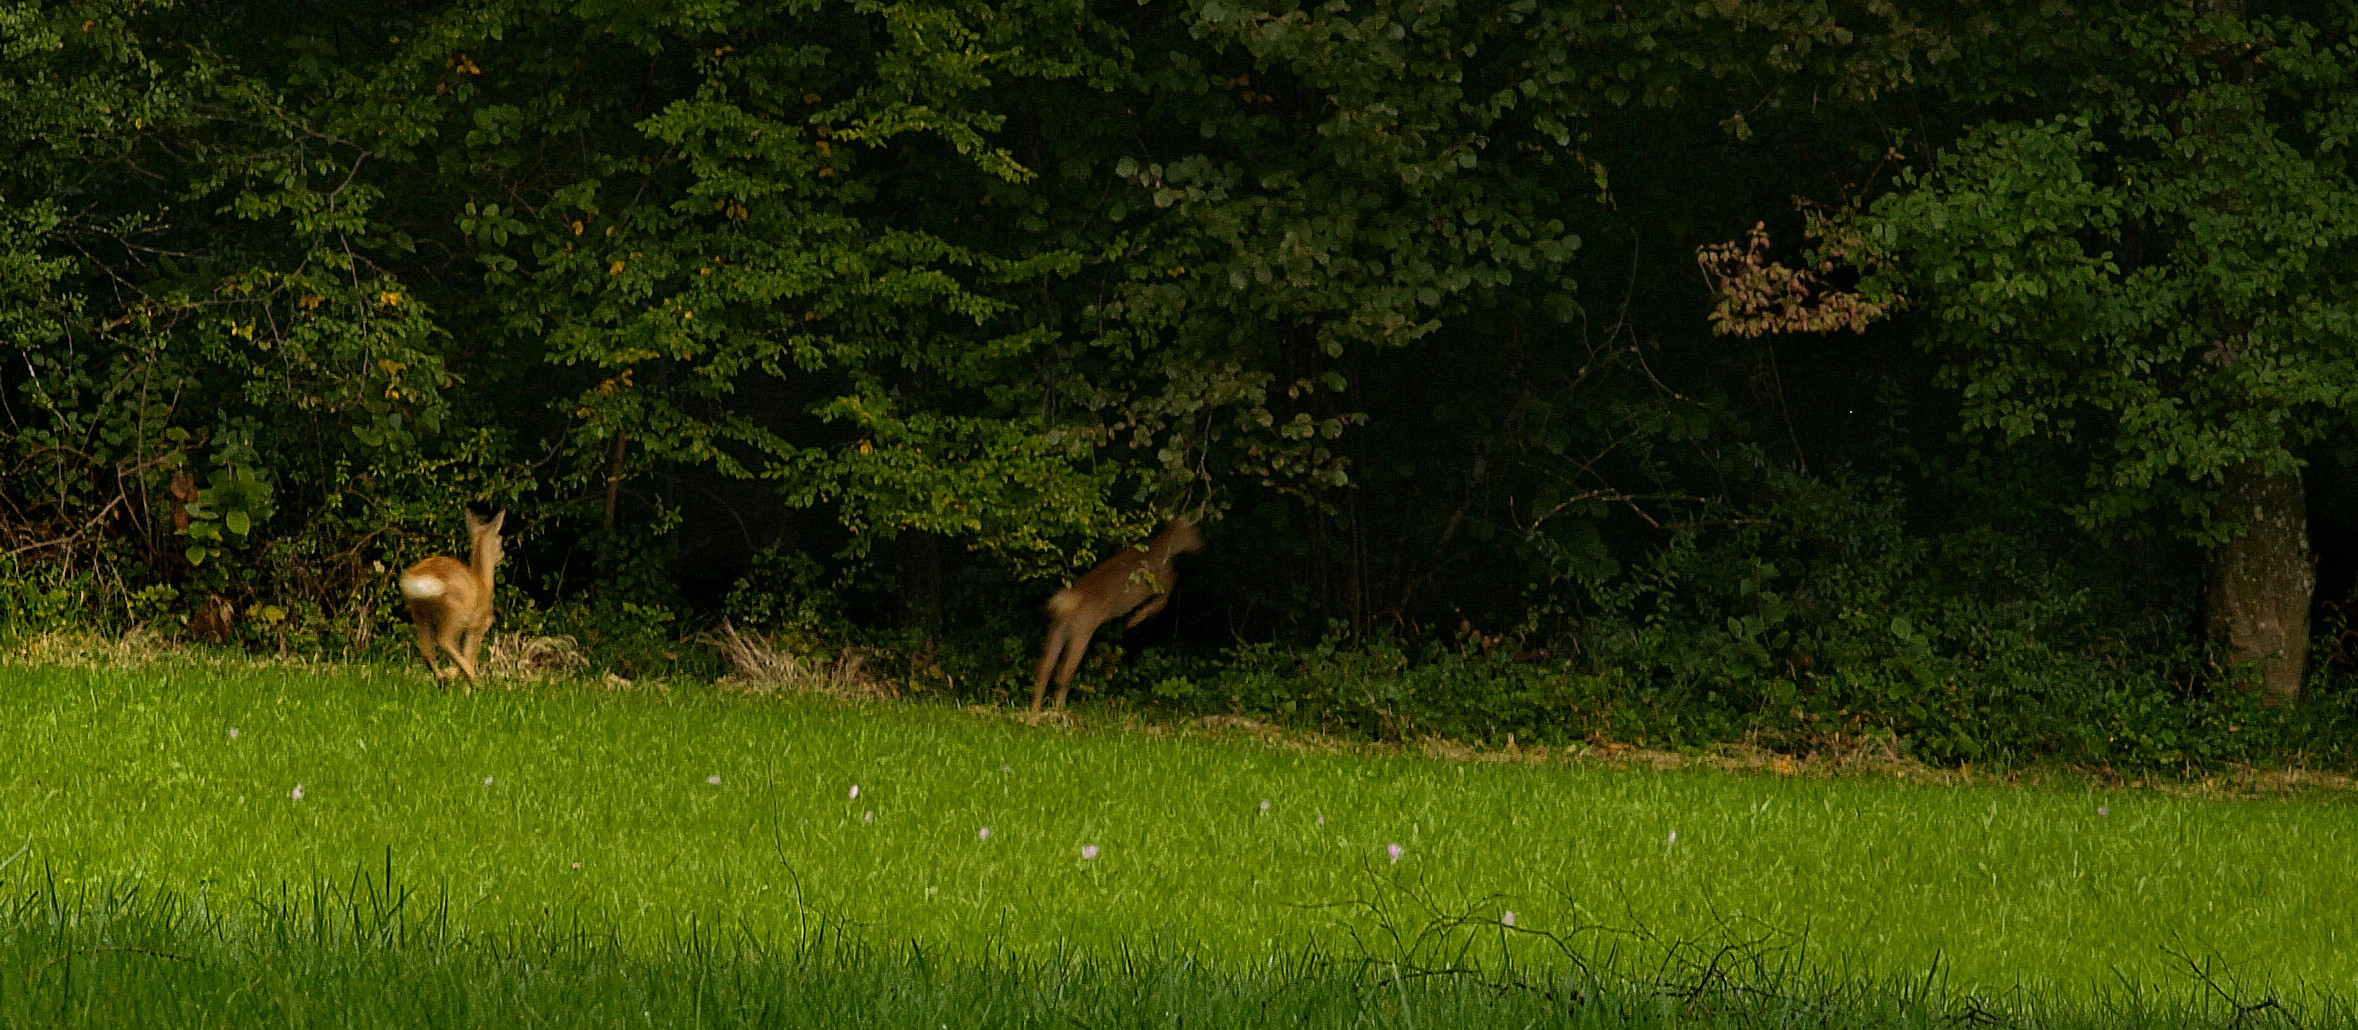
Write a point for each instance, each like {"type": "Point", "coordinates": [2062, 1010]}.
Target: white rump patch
{"type": "Point", "coordinates": [421, 587]}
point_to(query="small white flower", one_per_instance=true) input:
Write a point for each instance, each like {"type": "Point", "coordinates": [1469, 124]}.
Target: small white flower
{"type": "Point", "coordinates": [298, 794]}
{"type": "Point", "coordinates": [867, 817]}
{"type": "Point", "coordinates": [983, 834]}
{"type": "Point", "coordinates": [576, 865]}
{"type": "Point", "coordinates": [487, 781]}
{"type": "Point", "coordinates": [714, 780]}
{"type": "Point", "coordinates": [1508, 919]}
{"type": "Point", "coordinates": [1321, 818]}
{"type": "Point", "coordinates": [233, 733]}
{"type": "Point", "coordinates": [1670, 840]}
{"type": "Point", "coordinates": [1394, 851]}
{"type": "Point", "coordinates": [1088, 851]}
{"type": "Point", "coordinates": [855, 791]}
{"type": "Point", "coordinates": [1264, 805]}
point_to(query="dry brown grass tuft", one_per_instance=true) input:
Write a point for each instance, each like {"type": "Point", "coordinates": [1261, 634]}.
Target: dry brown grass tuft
{"type": "Point", "coordinates": [523, 657]}
{"type": "Point", "coordinates": [761, 667]}
{"type": "Point", "coordinates": [82, 648]}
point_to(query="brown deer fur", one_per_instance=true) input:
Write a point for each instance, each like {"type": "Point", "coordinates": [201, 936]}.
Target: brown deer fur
{"type": "Point", "coordinates": [451, 601]}
{"type": "Point", "coordinates": [1116, 585]}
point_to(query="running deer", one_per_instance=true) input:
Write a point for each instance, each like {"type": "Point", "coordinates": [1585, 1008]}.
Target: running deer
{"type": "Point", "coordinates": [1116, 585]}
{"type": "Point", "coordinates": [451, 602]}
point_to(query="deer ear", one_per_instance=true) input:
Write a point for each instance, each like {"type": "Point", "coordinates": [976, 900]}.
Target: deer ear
{"type": "Point", "coordinates": [497, 521]}
{"type": "Point", "coordinates": [474, 525]}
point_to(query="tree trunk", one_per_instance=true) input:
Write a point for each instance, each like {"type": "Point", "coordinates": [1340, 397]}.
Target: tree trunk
{"type": "Point", "coordinates": [2257, 586]}
{"type": "Point", "coordinates": [613, 481]}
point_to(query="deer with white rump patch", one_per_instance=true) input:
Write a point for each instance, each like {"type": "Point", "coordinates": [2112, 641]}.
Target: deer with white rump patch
{"type": "Point", "coordinates": [1116, 585]}
{"type": "Point", "coordinates": [451, 601]}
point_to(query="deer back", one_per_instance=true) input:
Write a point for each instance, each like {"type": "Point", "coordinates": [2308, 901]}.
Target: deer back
{"type": "Point", "coordinates": [441, 590]}
{"type": "Point", "coordinates": [1127, 579]}
{"type": "Point", "coordinates": [1115, 586]}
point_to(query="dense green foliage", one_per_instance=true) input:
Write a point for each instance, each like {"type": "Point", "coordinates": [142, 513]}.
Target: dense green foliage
{"type": "Point", "coordinates": [864, 323]}
{"type": "Point", "coordinates": [2155, 259]}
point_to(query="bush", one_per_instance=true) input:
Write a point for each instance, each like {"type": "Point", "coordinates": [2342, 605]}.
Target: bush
{"type": "Point", "coordinates": [1827, 619]}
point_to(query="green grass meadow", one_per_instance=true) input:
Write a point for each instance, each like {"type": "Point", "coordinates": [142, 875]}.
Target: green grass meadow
{"type": "Point", "coordinates": [580, 833]}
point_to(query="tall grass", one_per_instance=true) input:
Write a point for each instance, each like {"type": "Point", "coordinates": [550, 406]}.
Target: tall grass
{"type": "Point", "coordinates": [525, 813]}
{"type": "Point", "coordinates": [367, 953]}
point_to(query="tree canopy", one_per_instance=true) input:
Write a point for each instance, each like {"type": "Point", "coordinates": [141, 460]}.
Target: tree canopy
{"type": "Point", "coordinates": [924, 305]}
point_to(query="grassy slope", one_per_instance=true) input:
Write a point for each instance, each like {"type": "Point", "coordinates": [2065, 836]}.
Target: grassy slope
{"type": "Point", "coordinates": [112, 773]}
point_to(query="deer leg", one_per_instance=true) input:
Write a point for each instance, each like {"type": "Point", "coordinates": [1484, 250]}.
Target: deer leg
{"type": "Point", "coordinates": [426, 649]}
{"type": "Point", "coordinates": [474, 646]}
{"type": "Point", "coordinates": [1146, 611]}
{"type": "Point", "coordinates": [449, 638]}
{"type": "Point", "coordinates": [1050, 649]}
{"type": "Point", "coordinates": [1074, 650]}
{"type": "Point", "coordinates": [467, 665]}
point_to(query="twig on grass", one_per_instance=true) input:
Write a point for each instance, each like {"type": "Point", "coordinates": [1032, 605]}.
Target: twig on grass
{"type": "Point", "coordinates": [132, 949]}
{"type": "Point", "coordinates": [2245, 1012]}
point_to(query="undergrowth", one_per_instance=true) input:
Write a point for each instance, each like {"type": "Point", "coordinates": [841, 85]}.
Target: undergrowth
{"type": "Point", "coordinates": [1824, 625]}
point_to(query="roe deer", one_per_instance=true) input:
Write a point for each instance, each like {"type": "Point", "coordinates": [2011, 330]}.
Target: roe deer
{"type": "Point", "coordinates": [1115, 586]}
{"type": "Point", "coordinates": [451, 602]}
